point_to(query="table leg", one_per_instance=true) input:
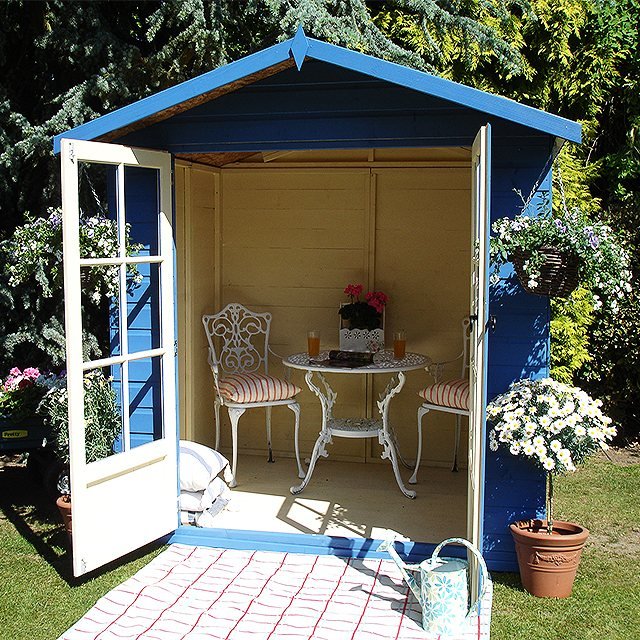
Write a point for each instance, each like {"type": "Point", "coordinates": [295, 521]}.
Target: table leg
{"type": "Point", "coordinates": [327, 397]}
{"type": "Point", "coordinates": [386, 436]}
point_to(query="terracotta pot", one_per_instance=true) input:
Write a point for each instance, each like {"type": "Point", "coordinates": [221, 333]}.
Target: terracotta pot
{"type": "Point", "coordinates": [64, 506]}
{"type": "Point", "coordinates": [548, 563]}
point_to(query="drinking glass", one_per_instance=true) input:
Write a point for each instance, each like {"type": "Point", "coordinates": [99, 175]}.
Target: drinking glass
{"type": "Point", "coordinates": [313, 343]}
{"type": "Point", "coordinates": [399, 344]}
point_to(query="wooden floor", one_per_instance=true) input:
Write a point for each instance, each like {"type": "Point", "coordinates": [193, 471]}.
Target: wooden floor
{"type": "Point", "coordinates": [346, 499]}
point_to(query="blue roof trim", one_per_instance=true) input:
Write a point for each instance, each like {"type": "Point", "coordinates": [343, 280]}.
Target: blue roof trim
{"type": "Point", "coordinates": [182, 92]}
{"type": "Point", "coordinates": [300, 47]}
{"type": "Point", "coordinates": [446, 89]}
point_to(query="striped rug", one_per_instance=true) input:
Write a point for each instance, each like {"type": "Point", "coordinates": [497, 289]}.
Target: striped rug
{"type": "Point", "coordinates": [200, 593]}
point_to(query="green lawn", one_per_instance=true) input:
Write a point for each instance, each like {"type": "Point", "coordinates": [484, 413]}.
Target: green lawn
{"type": "Point", "coordinates": [39, 600]}
{"type": "Point", "coordinates": [603, 496]}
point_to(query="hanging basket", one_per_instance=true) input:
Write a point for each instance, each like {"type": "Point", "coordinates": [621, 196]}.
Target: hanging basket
{"type": "Point", "coordinates": [558, 274]}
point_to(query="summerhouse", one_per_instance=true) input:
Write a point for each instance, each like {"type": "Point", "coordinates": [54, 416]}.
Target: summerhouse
{"type": "Point", "coordinates": [274, 182]}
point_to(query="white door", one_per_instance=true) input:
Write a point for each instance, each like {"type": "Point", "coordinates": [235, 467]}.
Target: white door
{"type": "Point", "coordinates": [129, 499]}
{"type": "Point", "coordinates": [480, 210]}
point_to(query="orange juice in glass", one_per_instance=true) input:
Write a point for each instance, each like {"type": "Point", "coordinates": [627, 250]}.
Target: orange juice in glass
{"type": "Point", "coordinates": [399, 344]}
{"type": "Point", "coordinates": [313, 344]}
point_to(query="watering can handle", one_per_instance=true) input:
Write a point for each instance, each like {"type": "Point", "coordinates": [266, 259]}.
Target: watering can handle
{"type": "Point", "coordinates": [483, 567]}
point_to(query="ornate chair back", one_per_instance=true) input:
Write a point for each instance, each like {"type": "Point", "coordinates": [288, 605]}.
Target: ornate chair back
{"type": "Point", "coordinates": [238, 340]}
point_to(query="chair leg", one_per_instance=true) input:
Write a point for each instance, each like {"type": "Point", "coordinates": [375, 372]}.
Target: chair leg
{"type": "Point", "coordinates": [268, 420]}
{"type": "Point", "coordinates": [295, 407]}
{"type": "Point", "coordinates": [216, 410]}
{"type": "Point", "coordinates": [422, 411]}
{"type": "Point", "coordinates": [456, 445]}
{"type": "Point", "coordinates": [234, 416]}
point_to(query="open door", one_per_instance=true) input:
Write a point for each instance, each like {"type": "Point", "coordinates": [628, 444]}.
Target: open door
{"type": "Point", "coordinates": [128, 499]}
{"type": "Point", "coordinates": [480, 210]}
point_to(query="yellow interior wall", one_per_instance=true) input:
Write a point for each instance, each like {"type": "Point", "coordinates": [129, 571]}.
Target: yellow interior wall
{"type": "Point", "coordinates": [196, 190]}
{"type": "Point", "coordinates": [288, 240]}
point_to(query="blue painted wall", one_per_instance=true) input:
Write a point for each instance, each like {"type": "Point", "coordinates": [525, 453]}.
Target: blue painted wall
{"type": "Point", "coordinates": [518, 348]}
{"type": "Point", "coordinates": [327, 107]}
{"type": "Point", "coordinates": [143, 313]}
{"type": "Point", "coordinates": [321, 107]}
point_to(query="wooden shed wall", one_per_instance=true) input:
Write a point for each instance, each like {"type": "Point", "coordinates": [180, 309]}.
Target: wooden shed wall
{"type": "Point", "coordinates": [288, 240]}
{"type": "Point", "coordinates": [518, 348]}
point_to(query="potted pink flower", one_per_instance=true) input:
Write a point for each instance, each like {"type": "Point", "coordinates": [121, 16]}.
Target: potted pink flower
{"type": "Point", "coordinates": [362, 321]}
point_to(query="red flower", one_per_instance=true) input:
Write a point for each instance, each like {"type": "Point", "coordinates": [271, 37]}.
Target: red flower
{"type": "Point", "coordinates": [377, 299]}
{"type": "Point", "coordinates": [353, 291]}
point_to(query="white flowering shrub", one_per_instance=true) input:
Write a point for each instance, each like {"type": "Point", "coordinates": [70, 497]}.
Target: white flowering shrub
{"type": "Point", "coordinates": [604, 264]}
{"type": "Point", "coordinates": [552, 424]}
{"type": "Point", "coordinates": [103, 421]}
{"type": "Point", "coordinates": [36, 252]}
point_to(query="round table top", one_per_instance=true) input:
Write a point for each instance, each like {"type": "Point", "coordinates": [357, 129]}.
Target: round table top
{"type": "Point", "coordinates": [383, 362]}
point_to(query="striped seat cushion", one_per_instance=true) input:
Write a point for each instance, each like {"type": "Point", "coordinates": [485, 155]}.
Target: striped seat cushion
{"type": "Point", "coordinates": [256, 387]}
{"type": "Point", "coordinates": [453, 393]}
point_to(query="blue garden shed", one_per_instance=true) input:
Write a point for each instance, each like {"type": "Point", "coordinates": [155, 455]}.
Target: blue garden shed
{"type": "Point", "coordinates": [275, 181]}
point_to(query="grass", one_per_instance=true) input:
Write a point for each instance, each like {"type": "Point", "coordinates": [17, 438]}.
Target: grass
{"type": "Point", "coordinates": [40, 600]}
{"type": "Point", "coordinates": [603, 496]}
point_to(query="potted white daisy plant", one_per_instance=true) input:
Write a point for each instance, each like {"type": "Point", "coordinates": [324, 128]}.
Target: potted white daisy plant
{"type": "Point", "coordinates": [555, 427]}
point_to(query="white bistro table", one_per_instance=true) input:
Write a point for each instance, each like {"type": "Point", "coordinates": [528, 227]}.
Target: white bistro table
{"type": "Point", "coordinates": [383, 362]}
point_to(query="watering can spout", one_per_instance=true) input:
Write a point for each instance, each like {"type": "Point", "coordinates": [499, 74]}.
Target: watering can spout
{"type": "Point", "coordinates": [414, 585]}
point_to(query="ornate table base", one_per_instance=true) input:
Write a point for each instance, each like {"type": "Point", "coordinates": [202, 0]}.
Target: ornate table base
{"type": "Point", "coordinates": [355, 427]}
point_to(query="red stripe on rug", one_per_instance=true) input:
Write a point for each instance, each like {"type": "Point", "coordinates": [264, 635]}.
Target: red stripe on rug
{"type": "Point", "coordinates": [293, 598]}
{"type": "Point", "coordinates": [404, 610]}
{"type": "Point", "coordinates": [167, 574]}
{"type": "Point", "coordinates": [375, 577]}
{"type": "Point", "coordinates": [197, 622]}
{"type": "Point", "coordinates": [256, 597]}
{"type": "Point", "coordinates": [315, 626]}
{"type": "Point", "coordinates": [191, 584]}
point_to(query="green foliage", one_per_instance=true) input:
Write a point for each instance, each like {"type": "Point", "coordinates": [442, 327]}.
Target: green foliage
{"type": "Point", "coordinates": [571, 320]}
{"type": "Point", "coordinates": [459, 41]}
{"type": "Point", "coordinates": [31, 285]}
{"type": "Point", "coordinates": [63, 63]}
{"type": "Point", "coordinates": [603, 262]}
{"type": "Point", "coordinates": [101, 413]}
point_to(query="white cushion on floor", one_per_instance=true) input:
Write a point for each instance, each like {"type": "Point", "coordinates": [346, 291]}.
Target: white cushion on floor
{"type": "Point", "coordinates": [201, 500]}
{"type": "Point", "coordinates": [199, 465]}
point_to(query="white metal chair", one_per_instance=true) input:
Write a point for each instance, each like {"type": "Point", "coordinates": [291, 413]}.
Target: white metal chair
{"type": "Point", "coordinates": [451, 396]}
{"type": "Point", "coordinates": [240, 373]}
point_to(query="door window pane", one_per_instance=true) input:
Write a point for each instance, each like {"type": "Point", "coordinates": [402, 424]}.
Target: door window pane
{"type": "Point", "coordinates": [98, 220]}
{"type": "Point", "coordinates": [142, 204]}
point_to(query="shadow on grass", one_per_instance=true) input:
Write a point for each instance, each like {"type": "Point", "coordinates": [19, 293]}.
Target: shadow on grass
{"type": "Point", "coordinates": [31, 509]}
{"type": "Point", "coordinates": [510, 580]}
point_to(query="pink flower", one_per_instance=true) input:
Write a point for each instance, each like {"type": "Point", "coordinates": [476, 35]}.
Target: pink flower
{"type": "Point", "coordinates": [31, 372]}
{"type": "Point", "coordinates": [15, 372]}
{"type": "Point", "coordinates": [353, 290]}
{"type": "Point", "coordinates": [377, 299]}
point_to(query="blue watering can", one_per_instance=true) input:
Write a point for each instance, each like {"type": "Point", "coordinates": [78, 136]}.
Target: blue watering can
{"type": "Point", "coordinates": [441, 588]}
